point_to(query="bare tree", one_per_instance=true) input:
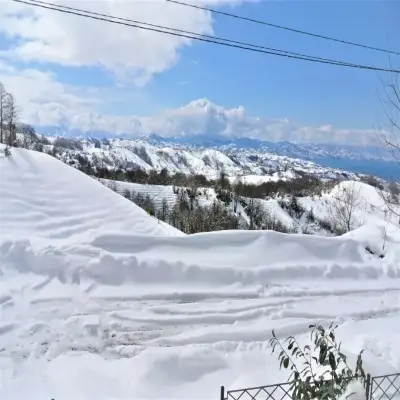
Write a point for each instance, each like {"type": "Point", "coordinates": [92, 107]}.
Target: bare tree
{"type": "Point", "coordinates": [29, 137]}
{"type": "Point", "coordinates": [343, 208]}
{"type": "Point", "coordinates": [237, 189]}
{"type": "Point", "coordinates": [164, 209]}
{"type": "Point", "coordinates": [192, 192]}
{"type": "Point", "coordinates": [390, 140]}
{"type": "Point", "coordinates": [11, 118]}
{"type": "Point", "coordinates": [3, 97]}
{"type": "Point", "coordinates": [127, 194]}
{"type": "Point", "coordinates": [255, 212]}
{"type": "Point", "coordinates": [223, 180]}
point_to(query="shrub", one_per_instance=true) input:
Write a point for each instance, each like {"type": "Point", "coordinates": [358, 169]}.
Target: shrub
{"type": "Point", "coordinates": [310, 216]}
{"type": "Point", "coordinates": [307, 381]}
{"type": "Point", "coordinates": [7, 151]}
{"type": "Point", "coordinates": [292, 207]}
{"type": "Point", "coordinates": [224, 196]}
{"type": "Point", "coordinates": [372, 181]}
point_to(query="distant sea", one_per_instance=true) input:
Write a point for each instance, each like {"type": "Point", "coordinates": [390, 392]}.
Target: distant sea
{"type": "Point", "coordinates": [383, 169]}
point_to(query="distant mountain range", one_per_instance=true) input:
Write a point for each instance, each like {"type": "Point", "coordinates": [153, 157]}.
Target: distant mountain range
{"type": "Point", "coordinates": [367, 160]}
{"type": "Point", "coordinates": [251, 165]}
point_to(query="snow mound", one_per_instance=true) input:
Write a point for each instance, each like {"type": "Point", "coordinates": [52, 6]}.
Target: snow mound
{"type": "Point", "coordinates": [45, 201]}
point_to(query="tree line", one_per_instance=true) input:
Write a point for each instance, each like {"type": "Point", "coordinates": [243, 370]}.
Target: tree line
{"type": "Point", "coordinates": [302, 185]}
{"type": "Point", "coordinates": [190, 216]}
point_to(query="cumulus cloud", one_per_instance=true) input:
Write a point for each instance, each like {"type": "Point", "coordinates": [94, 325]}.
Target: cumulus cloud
{"type": "Point", "coordinates": [202, 116]}
{"type": "Point", "coordinates": [49, 36]}
{"type": "Point", "coordinates": [47, 102]}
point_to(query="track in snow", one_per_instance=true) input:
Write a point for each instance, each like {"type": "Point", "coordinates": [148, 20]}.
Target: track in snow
{"type": "Point", "coordinates": [33, 323]}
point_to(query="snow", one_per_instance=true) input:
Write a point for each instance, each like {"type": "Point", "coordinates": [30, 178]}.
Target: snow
{"type": "Point", "coordinates": [100, 301]}
{"type": "Point", "coordinates": [259, 179]}
{"type": "Point", "coordinates": [252, 165]}
{"type": "Point", "coordinates": [44, 200]}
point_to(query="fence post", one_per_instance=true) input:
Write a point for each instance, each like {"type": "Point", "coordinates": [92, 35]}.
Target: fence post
{"type": "Point", "coordinates": [222, 397]}
{"type": "Point", "coordinates": [368, 388]}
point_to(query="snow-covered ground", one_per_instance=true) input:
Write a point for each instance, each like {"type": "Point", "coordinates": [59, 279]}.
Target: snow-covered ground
{"type": "Point", "coordinates": [99, 301]}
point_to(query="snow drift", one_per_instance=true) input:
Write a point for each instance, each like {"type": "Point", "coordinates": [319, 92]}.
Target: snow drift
{"type": "Point", "coordinates": [46, 201]}
{"type": "Point", "coordinates": [93, 288]}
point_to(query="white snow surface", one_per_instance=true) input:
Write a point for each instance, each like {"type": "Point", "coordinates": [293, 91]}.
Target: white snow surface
{"type": "Point", "coordinates": [98, 301]}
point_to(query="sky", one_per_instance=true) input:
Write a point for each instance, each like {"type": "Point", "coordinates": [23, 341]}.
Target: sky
{"type": "Point", "coordinates": [72, 72]}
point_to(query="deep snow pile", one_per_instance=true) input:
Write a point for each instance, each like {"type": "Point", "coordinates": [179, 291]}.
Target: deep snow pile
{"type": "Point", "coordinates": [44, 200]}
{"type": "Point", "coordinates": [99, 301]}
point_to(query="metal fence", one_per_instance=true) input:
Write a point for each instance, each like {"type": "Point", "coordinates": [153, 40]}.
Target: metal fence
{"type": "Point", "coordinates": [278, 391]}
{"type": "Point", "coordinates": [385, 387]}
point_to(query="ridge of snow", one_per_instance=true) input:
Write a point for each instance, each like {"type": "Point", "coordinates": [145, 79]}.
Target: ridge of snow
{"type": "Point", "coordinates": [42, 199]}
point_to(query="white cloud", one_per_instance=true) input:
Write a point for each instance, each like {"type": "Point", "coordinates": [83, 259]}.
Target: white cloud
{"type": "Point", "coordinates": [47, 36]}
{"type": "Point", "coordinates": [132, 55]}
{"type": "Point", "coordinates": [46, 101]}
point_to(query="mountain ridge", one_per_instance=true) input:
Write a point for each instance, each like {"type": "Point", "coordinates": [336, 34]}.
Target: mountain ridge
{"type": "Point", "coordinates": [124, 154]}
{"type": "Point", "coordinates": [370, 160]}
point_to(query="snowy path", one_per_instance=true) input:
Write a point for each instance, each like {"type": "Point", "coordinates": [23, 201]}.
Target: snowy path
{"type": "Point", "coordinates": [227, 321]}
{"type": "Point", "coordinates": [177, 341]}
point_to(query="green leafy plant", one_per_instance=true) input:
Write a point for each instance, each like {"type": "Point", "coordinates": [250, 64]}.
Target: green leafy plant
{"type": "Point", "coordinates": [320, 370]}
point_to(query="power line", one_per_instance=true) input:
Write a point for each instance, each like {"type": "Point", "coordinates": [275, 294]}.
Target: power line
{"type": "Point", "coordinates": [191, 33]}
{"type": "Point", "coordinates": [203, 38]}
{"type": "Point", "coordinates": [283, 27]}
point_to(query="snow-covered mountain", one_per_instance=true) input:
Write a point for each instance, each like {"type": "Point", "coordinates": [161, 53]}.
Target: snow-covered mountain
{"type": "Point", "coordinates": [253, 165]}
{"type": "Point", "coordinates": [370, 160]}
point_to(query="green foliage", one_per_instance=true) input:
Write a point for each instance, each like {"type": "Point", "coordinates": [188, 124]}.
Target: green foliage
{"type": "Point", "coordinates": [318, 370]}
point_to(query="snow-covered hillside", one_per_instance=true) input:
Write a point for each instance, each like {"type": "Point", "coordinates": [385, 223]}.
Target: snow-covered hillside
{"type": "Point", "coordinates": [100, 301]}
{"type": "Point", "coordinates": [370, 208]}
{"type": "Point", "coordinates": [58, 203]}
{"type": "Point", "coordinates": [140, 153]}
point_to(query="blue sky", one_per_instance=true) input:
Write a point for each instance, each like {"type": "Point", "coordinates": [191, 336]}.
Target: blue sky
{"type": "Point", "coordinates": [275, 87]}
{"type": "Point", "coordinates": [307, 94]}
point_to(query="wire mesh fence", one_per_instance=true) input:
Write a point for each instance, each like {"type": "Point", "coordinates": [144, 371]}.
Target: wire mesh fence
{"type": "Point", "coordinates": [385, 387]}
{"type": "Point", "coordinates": [278, 391]}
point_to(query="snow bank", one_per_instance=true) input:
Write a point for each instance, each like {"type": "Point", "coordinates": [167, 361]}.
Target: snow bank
{"type": "Point", "coordinates": [46, 201]}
